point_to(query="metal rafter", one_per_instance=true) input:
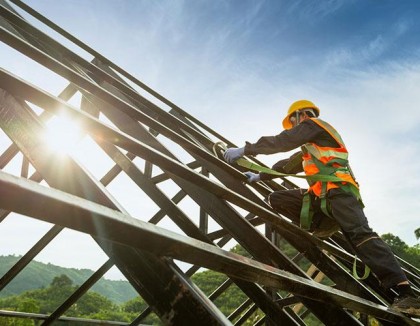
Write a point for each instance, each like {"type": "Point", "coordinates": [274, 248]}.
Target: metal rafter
{"type": "Point", "coordinates": [144, 252]}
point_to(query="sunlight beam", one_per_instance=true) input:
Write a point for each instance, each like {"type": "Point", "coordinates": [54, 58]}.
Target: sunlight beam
{"type": "Point", "coordinates": [62, 135]}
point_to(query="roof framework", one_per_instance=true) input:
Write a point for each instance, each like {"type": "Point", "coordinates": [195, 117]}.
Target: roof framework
{"type": "Point", "coordinates": [170, 158]}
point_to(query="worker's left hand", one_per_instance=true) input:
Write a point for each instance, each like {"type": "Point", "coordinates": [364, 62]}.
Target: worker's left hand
{"type": "Point", "coordinates": [233, 154]}
{"type": "Point", "coordinates": [252, 177]}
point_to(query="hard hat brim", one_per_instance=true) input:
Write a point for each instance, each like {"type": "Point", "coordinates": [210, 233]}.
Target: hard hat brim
{"type": "Point", "coordinates": [286, 121]}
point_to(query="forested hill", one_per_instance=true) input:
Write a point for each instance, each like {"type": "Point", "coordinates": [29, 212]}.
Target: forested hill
{"type": "Point", "coordinates": [39, 275]}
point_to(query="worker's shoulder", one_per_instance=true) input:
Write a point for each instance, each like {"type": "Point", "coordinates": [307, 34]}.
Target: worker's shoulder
{"type": "Point", "coordinates": [317, 123]}
{"type": "Point", "coordinates": [305, 130]}
{"type": "Point", "coordinates": [314, 127]}
{"type": "Point", "coordinates": [312, 123]}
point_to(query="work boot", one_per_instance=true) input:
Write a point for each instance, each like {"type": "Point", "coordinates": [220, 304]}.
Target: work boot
{"type": "Point", "coordinates": [407, 305]}
{"type": "Point", "coordinates": [326, 228]}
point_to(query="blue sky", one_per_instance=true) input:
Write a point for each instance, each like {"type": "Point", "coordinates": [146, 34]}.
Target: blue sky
{"type": "Point", "coordinates": [237, 66]}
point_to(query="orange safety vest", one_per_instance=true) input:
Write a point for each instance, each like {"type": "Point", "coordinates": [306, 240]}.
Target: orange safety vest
{"type": "Point", "coordinates": [325, 161]}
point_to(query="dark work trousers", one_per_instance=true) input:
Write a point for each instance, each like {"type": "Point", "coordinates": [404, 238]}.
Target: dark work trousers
{"type": "Point", "coordinates": [348, 213]}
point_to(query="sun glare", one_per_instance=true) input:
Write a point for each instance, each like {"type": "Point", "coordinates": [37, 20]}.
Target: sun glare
{"type": "Point", "coordinates": [62, 135]}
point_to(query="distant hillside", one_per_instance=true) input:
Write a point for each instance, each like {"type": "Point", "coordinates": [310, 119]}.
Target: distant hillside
{"type": "Point", "coordinates": [39, 275]}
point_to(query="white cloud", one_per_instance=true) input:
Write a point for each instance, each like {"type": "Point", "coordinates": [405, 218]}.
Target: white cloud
{"type": "Point", "coordinates": [243, 95]}
{"type": "Point", "coordinates": [377, 113]}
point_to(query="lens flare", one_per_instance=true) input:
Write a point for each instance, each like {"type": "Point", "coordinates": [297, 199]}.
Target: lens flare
{"type": "Point", "coordinates": [62, 135]}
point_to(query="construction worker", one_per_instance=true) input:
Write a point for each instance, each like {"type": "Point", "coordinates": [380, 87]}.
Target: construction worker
{"type": "Point", "coordinates": [330, 203]}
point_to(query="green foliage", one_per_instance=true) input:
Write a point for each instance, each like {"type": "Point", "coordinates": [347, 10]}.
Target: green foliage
{"type": "Point", "coordinates": [47, 300]}
{"type": "Point", "coordinates": [135, 305]}
{"type": "Point", "coordinates": [93, 305]}
{"type": "Point", "coordinates": [230, 300]}
{"type": "Point", "coordinates": [16, 304]}
{"type": "Point", "coordinates": [240, 251]}
{"type": "Point", "coordinates": [208, 280]}
{"type": "Point", "coordinates": [404, 251]}
{"type": "Point", "coordinates": [39, 275]}
{"type": "Point", "coordinates": [11, 321]}
{"type": "Point", "coordinates": [61, 281]}
{"type": "Point", "coordinates": [114, 315]}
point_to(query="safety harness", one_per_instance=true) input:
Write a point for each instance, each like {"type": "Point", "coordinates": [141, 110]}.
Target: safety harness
{"type": "Point", "coordinates": [325, 168]}
{"type": "Point", "coordinates": [326, 161]}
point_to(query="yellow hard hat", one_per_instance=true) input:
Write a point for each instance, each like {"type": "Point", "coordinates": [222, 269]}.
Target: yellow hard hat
{"type": "Point", "coordinates": [297, 106]}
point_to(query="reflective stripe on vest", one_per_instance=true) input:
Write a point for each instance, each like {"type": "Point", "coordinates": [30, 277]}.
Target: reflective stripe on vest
{"type": "Point", "coordinates": [328, 161]}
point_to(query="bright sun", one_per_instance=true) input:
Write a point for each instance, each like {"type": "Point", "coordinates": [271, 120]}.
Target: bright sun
{"type": "Point", "coordinates": [62, 135]}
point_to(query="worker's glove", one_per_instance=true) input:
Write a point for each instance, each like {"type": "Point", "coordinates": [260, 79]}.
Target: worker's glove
{"type": "Point", "coordinates": [252, 177]}
{"type": "Point", "coordinates": [233, 154]}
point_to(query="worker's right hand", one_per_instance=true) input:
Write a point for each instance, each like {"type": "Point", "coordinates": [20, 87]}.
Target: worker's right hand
{"type": "Point", "coordinates": [233, 154]}
{"type": "Point", "coordinates": [252, 177]}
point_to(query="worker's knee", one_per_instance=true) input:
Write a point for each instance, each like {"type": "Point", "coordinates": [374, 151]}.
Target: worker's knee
{"type": "Point", "coordinates": [283, 199]}
{"type": "Point", "coordinates": [366, 240]}
{"type": "Point", "coordinates": [287, 203]}
{"type": "Point", "coordinates": [275, 199]}
{"type": "Point", "coordinates": [362, 237]}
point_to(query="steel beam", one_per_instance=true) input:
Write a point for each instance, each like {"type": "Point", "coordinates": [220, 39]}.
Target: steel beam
{"type": "Point", "coordinates": [144, 256]}
{"type": "Point", "coordinates": [85, 216]}
{"type": "Point", "coordinates": [171, 307]}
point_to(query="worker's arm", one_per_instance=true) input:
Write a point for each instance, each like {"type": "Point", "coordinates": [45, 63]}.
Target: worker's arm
{"type": "Point", "coordinates": [291, 165]}
{"type": "Point", "coordinates": [306, 132]}
{"type": "Point", "coordinates": [287, 140]}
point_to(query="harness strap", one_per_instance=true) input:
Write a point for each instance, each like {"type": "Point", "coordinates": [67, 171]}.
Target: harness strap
{"type": "Point", "coordinates": [306, 213]}
{"type": "Point", "coordinates": [323, 197]}
{"type": "Point", "coordinates": [256, 167]}
{"type": "Point", "coordinates": [355, 275]}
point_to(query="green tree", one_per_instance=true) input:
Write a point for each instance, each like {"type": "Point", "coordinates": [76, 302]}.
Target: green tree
{"type": "Point", "coordinates": [395, 242]}
{"type": "Point", "coordinates": [61, 281]}
{"type": "Point", "coordinates": [132, 308]}
{"type": "Point", "coordinates": [417, 233]}
{"type": "Point", "coordinates": [136, 306]}
{"type": "Point", "coordinates": [47, 300]}
{"type": "Point", "coordinates": [111, 315]}
{"type": "Point", "coordinates": [92, 303]}
{"type": "Point", "coordinates": [401, 249]}
{"type": "Point", "coordinates": [240, 251]}
{"type": "Point", "coordinates": [16, 304]}
{"type": "Point", "coordinates": [10, 321]}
